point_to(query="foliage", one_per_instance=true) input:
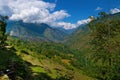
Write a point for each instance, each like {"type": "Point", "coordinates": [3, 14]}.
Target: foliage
{"type": "Point", "coordinates": [99, 45]}
{"type": "Point", "coordinates": [54, 53]}
{"type": "Point", "coordinates": [55, 61]}
{"type": "Point", "coordinates": [2, 30]}
{"type": "Point", "coordinates": [105, 40]}
{"type": "Point", "coordinates": [13, 65]}
{"type": "Point", "coordinates": [102, 14]}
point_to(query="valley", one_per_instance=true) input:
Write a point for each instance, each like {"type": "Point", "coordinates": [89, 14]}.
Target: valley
{"type": "Point", "coordinates": [37, 43]}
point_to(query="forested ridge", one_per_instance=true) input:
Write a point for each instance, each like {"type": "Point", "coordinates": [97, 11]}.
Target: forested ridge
{"type": "Point", "coordinates": [95, 57]}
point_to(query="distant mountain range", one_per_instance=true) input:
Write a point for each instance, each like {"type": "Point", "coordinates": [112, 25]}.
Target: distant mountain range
{"type": "Point", "coordinates": [35, 31]}
{"type": "Point", "coordinates": [38, 31]}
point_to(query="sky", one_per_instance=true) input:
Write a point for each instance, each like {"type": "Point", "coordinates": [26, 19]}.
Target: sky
{"type": "Point", "coordinates": [82, 9]}
{"type": "Point", "coordinates": [67, 14]}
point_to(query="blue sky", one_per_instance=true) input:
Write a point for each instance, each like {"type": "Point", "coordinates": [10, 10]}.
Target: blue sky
{"type": "Point", "coordinates": [82, 9]}
{"type": "Point", "coordinates": [67, 14]}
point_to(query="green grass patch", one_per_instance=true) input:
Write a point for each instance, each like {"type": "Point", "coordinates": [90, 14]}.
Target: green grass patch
{"type": "Point", "coordinates": [37, 69]}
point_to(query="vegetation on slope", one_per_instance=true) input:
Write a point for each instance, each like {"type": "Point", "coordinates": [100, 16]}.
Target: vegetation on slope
{"type": "Point", "coordinates": [27, 60]}
{"type": "Point", "coordinates": [100, 45]}
{"type": "Point", "coordinates": [105, 41]}
{"type": "Point", "coordinates": [79, 39]}
{"type": "Point", "coordinates": [53, 59]}
{"type": "Point", "coordinates": [23, 60]}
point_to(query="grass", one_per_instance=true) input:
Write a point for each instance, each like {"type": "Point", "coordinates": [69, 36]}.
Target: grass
{"type": "Point", "coordinates": [37, 69]}
{"type": "Point", "coordinates": [53, 69]}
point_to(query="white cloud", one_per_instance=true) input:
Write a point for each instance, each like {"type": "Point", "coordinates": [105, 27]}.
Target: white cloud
{"type": "Point", "coordinates": [37, 11]}
{"type": "Point", "coordinates": [31, 10]}
{"type": "Point", "coordinates": [67, 25]}
{"type": "Point", "coordinates": [115, 10]}
{"type": "Point", "coordinates": [98, 8]}
{"type": "Point", "coordinates": [55, 16]}
{"type": "Point", "coordinates": [85, 21]}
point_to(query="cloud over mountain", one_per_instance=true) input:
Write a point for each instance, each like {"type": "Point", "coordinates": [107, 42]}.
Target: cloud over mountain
{"type": "Point", "coordinates": [68, 25]}
{"type": "Point", "coordinates": [114, 10]}
{"type": "Point", "coordinates": [85, 21]}
{"type": "Point", "coordinates": [36, 11]}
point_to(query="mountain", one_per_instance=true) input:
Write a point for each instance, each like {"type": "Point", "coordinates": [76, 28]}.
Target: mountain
{"type": "Point", "coordinates": [26, 60]}
{"type": "Point", "coordinates": [99, 42]}
{"type": "Point", "coordinates": [67, 31]}
{"type": "Point", "coordinates": [80, 38]}
{"type": "Point", "coordinates": [34, 31]}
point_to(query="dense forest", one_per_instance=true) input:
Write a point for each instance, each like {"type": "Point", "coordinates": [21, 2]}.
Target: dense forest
{"type": "Point", "coordinates": [90, 53]}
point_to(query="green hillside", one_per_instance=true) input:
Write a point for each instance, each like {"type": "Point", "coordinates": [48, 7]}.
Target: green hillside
{"type": "Point", "coordinates": [41, 61]}
{"type": "Point", "coordinates": [90, 53]}
{"type": "Point", "coordinates": [99, 41]}
{"type": "Point", "coordinates": [79, 38]}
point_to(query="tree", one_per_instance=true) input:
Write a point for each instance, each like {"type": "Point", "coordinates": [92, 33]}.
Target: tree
{"type": "Point", "coordinates": [3, 30]}
{"type": "Point", "coordinates": [103, 14]}
{"type": "Point", "coordinates": [105, 39]}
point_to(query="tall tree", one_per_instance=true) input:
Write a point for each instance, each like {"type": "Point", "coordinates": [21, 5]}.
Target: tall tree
{"type": "Point", "coordinates": [2, 30]}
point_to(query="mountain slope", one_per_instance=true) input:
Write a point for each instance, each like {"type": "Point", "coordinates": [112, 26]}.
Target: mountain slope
{"type": "Point", "coordinates": [79, 38]}
{"type": "Point", "coordinates": [43, 60]}
{"type": "Point", "coordinates": [34, 31]}
{"type": "Point", "coordinates": [103, 33]}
